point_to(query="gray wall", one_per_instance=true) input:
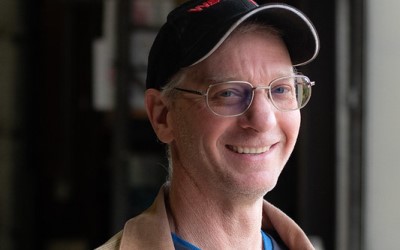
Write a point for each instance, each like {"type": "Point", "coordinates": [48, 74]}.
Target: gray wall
{"type": "Point", "coordinates": [382, 149]}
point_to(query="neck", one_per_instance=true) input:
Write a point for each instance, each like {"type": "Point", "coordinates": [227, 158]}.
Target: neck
{"type": "Point", "coordinates": [214, 222]}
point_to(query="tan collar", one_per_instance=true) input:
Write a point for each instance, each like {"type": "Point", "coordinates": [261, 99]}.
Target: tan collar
{"type": "Point", "coordinates": [150, 230]}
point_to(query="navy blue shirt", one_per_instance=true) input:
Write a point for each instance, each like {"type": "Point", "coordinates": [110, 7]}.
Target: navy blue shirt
{"type": "Point", "coordinates": [180, 244]}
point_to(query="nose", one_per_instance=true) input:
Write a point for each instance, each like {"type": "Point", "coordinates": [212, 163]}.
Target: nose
{"type": "Point", "coordinates": [261, 115]}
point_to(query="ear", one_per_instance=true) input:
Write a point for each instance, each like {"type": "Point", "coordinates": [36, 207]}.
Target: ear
{"type": "Point", "coordinates": [157, 111]}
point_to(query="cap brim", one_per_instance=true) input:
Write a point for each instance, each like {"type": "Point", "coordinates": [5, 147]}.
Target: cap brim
{"type": "Point", "coordinates": [298, 32]}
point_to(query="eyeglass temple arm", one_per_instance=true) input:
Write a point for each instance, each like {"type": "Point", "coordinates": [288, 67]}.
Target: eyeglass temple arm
{"type": "Point", "coordinates": [190, 91]}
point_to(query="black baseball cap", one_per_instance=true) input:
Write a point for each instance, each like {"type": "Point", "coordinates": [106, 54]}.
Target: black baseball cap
{"type": "Point", "coordinates": [195, 29]}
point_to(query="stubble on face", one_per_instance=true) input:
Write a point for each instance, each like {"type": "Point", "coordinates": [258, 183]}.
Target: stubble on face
{"type": "Point", "coordinates": [200, 146]}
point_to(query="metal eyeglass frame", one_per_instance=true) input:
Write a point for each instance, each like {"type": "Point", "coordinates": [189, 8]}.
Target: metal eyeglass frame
{"type": "Point", "coordinates": [308, 84]}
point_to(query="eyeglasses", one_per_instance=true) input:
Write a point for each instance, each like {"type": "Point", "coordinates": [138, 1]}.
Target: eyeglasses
{"type": "Point", "coordinates": [233, 98]}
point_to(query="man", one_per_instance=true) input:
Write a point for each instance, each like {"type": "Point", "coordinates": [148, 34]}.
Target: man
{"type": "Point", "coordinates": [223, 94]}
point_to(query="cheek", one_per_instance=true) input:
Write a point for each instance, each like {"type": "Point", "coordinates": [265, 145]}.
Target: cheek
{"type": "Point", "coordinates": [199, 130]}
{"type": "Point", "coordinates": [290, 125]}
{"type": "Point", "coordinates": [190, 124]}
{"type": "Point", "coordinates": [196, 117]}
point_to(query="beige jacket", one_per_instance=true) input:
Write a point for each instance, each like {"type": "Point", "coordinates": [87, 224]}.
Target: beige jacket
{"type": "Point", "coordinates": [150, 230]}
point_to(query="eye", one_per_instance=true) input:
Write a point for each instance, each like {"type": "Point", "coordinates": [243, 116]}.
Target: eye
{"type": "Point", "coordinates": [278, 90]}
{"type": "Point", "coordinates": [228, 93]}
{"type": "Point", "coordinates": [282, 89]}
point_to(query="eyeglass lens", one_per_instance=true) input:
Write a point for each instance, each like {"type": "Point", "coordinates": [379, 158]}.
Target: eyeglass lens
{"type": "Point", "coordinates": [234, 98]}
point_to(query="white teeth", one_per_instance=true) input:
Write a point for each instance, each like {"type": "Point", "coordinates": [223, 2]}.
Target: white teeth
{"type": "Point", "coordinates": [245, 150]}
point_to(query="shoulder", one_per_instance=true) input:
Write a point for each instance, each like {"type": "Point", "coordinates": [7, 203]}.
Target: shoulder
{"type": "Point", "coordinates": [112, 243]}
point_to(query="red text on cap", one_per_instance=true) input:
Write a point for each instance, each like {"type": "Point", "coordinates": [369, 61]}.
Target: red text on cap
{"type": "Point", "coordinates": [204, 5]}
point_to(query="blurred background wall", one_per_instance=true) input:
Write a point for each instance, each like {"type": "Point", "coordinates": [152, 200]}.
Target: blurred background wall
{"type": "Point", "coordinates": [382, 147]}
{"type": "Point", "coordinates": [11, 116]}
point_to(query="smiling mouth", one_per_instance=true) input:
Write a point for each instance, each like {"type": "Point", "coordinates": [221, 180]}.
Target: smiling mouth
{"type": "Point", "coordinates": [248, 150]}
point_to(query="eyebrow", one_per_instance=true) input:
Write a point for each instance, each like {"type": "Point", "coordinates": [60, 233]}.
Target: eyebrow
{"type": "Point", "coordinates": [222, 78]}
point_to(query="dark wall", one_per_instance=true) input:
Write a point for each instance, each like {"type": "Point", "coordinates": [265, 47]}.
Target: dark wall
{"type": "Point", "coordinates": [68, 142]}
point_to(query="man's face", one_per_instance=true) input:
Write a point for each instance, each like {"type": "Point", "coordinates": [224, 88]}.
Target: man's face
{"type": "Point", "coordinates": [208, 149]}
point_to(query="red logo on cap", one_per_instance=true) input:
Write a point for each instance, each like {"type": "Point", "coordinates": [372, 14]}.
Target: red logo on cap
{"type": "Point", "coordinates": [204, 5]}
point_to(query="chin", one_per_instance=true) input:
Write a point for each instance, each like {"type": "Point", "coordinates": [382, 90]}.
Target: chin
{"type": "Point", "coordinates": [267, 186]}
{"type": "Point", "coordinates": [255, 190]}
